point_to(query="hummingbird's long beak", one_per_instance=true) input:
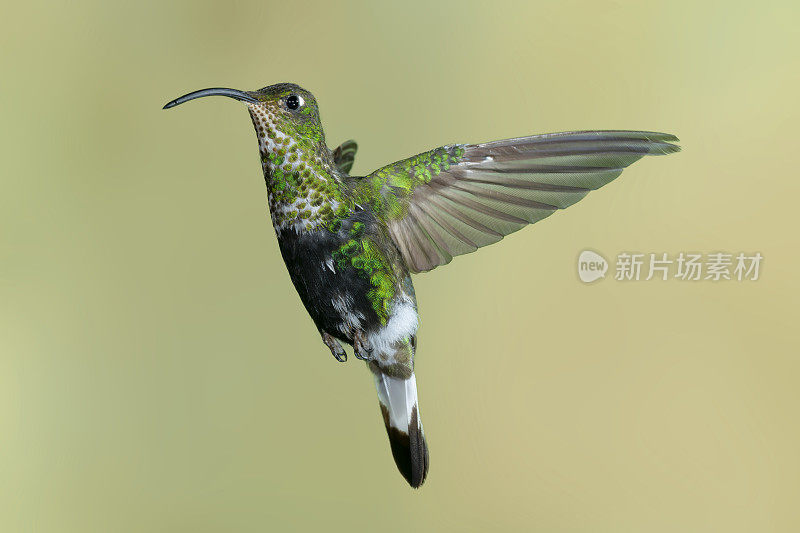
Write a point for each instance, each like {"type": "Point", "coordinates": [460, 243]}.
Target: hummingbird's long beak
{"type": "Point", "coordinates": [219, 91]}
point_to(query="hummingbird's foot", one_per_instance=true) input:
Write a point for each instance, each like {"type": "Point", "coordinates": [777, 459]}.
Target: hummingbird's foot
{"type": "Point", "coordinates": [360, 346]}
{"type": "Point", "coordinates": [336, 348]}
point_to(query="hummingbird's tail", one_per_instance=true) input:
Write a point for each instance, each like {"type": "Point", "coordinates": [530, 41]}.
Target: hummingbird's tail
{"type": "Point", "coordinates": [398, 399]}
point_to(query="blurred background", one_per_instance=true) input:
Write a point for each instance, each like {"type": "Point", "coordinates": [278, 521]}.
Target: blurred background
{"type": "Point", "coordinates": [158, 371]}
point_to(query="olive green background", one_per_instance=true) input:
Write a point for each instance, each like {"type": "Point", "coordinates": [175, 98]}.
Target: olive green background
{"type": "Point", "coordinates": [158, 372]}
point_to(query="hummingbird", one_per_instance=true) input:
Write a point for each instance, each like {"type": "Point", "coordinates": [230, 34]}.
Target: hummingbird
{"type": "Point", "coordinates": [351, 243]}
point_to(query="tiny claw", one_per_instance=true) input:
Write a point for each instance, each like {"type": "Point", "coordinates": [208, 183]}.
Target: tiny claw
{"type": "Point", "coordinates": [360, 349]}
{"type": "Point", "coordinates": [336, 348]}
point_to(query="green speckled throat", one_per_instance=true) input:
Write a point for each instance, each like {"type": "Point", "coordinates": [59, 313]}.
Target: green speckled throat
{"type": "Point", "coordinates": [303, 183]}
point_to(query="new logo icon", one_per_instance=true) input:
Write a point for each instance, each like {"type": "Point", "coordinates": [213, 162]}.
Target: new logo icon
{"type": "Point", "coordinates": [591, 266]}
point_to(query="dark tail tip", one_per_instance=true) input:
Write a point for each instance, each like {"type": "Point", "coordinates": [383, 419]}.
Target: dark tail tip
{"type": "Point", "coordinates": [409, 449]}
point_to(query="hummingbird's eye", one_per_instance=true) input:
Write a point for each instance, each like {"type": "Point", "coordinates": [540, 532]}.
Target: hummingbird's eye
{"type": "Point", "coordinates": [294, 101]}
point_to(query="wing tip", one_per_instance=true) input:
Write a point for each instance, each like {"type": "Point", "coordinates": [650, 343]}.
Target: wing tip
{"type": "Point", "coordinates": [664, 148]}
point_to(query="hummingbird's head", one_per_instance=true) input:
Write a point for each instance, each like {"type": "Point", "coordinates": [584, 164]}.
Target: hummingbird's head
{"type": "Point", "coordinates": [285, 116]}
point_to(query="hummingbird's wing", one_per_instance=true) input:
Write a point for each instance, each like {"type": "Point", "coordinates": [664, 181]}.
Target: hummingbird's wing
{"type": "Point", "coordinates": [458, 198]}
{"type": "Point", "coordinates": [344, 155]}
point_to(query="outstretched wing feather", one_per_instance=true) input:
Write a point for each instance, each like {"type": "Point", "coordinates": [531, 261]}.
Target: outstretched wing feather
{"type": "Point", "coordinates": [457, 198]}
